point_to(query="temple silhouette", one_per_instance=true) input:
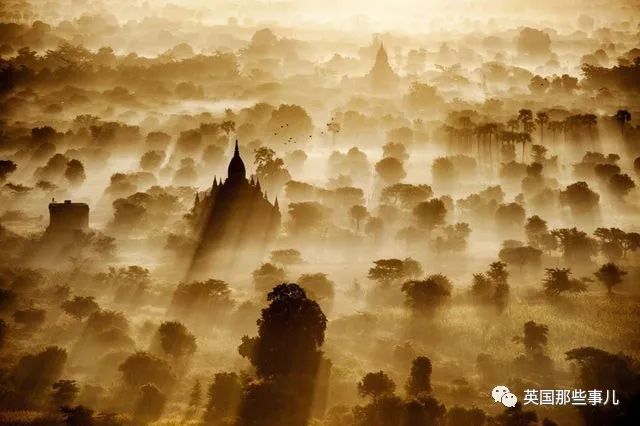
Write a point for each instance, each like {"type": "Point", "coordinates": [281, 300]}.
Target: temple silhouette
{"type": "Point", "coordinates": [67, 217]}
{"type": "Point", "coordinates": [234, 221]}
{"type": "Point", "coordinates": [381, 76]}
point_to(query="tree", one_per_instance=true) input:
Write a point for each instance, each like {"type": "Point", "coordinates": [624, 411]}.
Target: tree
{"type": "Point", "coordinates": [75, 172]}
{"type": "Point", "coordinates": [558, 281]}
{"type": "Point", "coordinates": [420, 377]}
{"type": "Point", "coordinates": [210, 297]}
{"type": "Point", "coordinates": [430, 214]}
{"type": "Point", "coordinates": [80, 307]}
{"type": "Point", "coordinates": [287, 359]}
{"type": "Point", "coordinates": [358, 213]}
{"type": "Point", "coordinates": [390, 170]}
{"type": "Point", "coordinates": [376, 385]}
{"type": "Point", "coordinates": [534, 338]}
{"type": "Point", "coordinates": [525, 116]}
{"type": "Point", "coordinates": [34, 374]}
{"type": "Point", "coordinates": [536, 229]}
{"type": "Point", "coordinates": [510, 216]}
{"type": "Point", "coordinates": [541, 120]}
{"type": "Point", "coordinates": [195, 397]}
{"type": "Point", "coordinates": [270, 169]}
{"type": "Point", "coordinates": [176, 340]}
{"type": "Point", "coordinates": [423, 296]}
{"type": "Point", "coordinates": [223, 397]}
{"type": "Point", "coordinates": [286, 257]}
{"type": "Point", "coordinates": [386, 271]}
{"type": "Point", "coordinates": [318, 285]}
{"type": "Point", "coordinates": [6, 168]}
{"type": "Point", "coordinates": [306, 217]}
{"type": "Point", "coordinates": [622, 116]}
{"type": "Point", "coordinates": [405, 194]}
{"type": "Point", "coordinates": [520, 256]}
{"type": "Point", "coordinates": [610, 275]}
{"type": "Point", "coordinates": [577, 247]}
{"type": "Point", "coordinates": [267, 276]}
{"type": "Point", "coordinates": [150, 404]}
{"type": "Point", "coordinates": [621, 184]}
{"type": "Point", "coordinates": [598, 369]}
{"type": "Point", "coordinates": [580, 198]}
{"type": "Point", "coordinates": [492, 286]}
{"type": "Point", "coordinates": [281, 348]}
{"type": "Point", "coordinates": [141, 368]}
{"type": "Point", "coordinates": [64, 392]}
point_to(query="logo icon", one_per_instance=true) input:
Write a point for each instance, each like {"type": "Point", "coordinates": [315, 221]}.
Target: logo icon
{"type": "Point", "coordinates": [503, 395]}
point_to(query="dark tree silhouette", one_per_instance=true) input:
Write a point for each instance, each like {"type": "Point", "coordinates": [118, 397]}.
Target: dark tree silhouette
{"type": "Point", "coordinates": [610, 275]}
{"type": "Point", "coordinates": [223, 397]}
{"type": "Point", "coordinates": [376, 385]}
{"type": "Point", "coordinates": [520, 256]}
{"type": "Point", "coordinates": [149, 405]}
{"type": "Point", "coordinates": [430, 214]}
{"type": "Point", "coordinates": [621, 184]}
{"type": "Point", "coordinates": [598, 369]}
{"type": "Point", "coordinates": [577, 247]}
{"type": "Point", "coordinates": [420, 377]}
{"type": "Point", "coordinates": [492, 287]}
{"type": "Point", "coordinates": [558, 281]}
{"type": "Point", "coordinates": [33, 376]}
{"type": "Point", "coordinates": [287, 358]}
{"type": "Point", "coordinates": [141, 368]}
{"type": "Point", "coordinates": [6, 168]}
{"type": "Point", "coordinates": [422, 297]}
{"type": "Point", "coordinates": [176, 340]}
{"type": "Point", "coordinates": [534, 338]}
{"type": "Point", "coordinates": [80, 307]}
{"type": "Point", "coordinates": [622, 117]}
{"type": "Point", "coordinates": [386, 271]}
{"type": "Point", "coordinates": [64, 393]}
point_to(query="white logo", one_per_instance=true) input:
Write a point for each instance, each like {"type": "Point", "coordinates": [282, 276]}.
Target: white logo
{"type": "Point", "coordinates": [503, 395]}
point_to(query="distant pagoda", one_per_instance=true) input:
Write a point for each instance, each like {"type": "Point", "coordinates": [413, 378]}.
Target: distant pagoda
{"type": "Point", "coordinates": [381, 76]}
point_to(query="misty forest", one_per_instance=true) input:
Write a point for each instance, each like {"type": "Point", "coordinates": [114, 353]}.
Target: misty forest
{"type": "Point", "coordinates": [290, 213]}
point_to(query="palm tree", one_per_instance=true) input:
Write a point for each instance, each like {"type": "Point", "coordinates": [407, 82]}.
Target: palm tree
{"type": "Point", "coordinates": [622, 116]}
{"type": "Point", "coordinates": [523, 138]}
{"type": "Point", "coordinates": [541, 119]}
{"type": "Point", "coordinates": [480, 132]}
{"type": "Point", "coordinates": [451, 134]}
{"type": "Point", "coordinates": [525, 116]}
{"type": "Point", "coordinates": [555, 127]}
{"type": "Point", "coordinates": [513, 124]}
{"type": "Point", "coordinates": [590, 121]}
